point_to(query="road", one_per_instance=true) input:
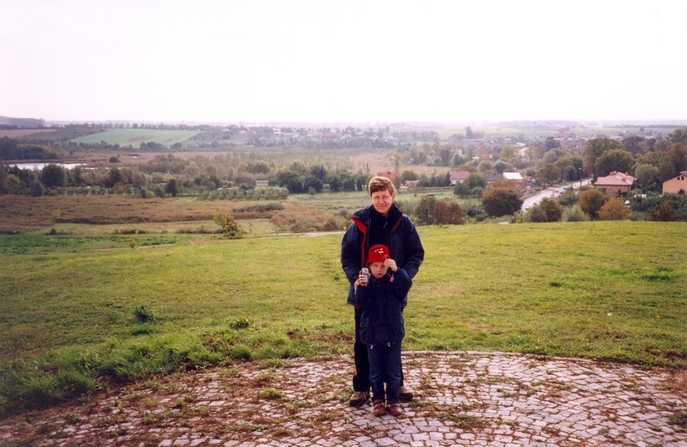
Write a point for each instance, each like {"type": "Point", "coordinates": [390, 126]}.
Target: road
{"type": "Point", "coordinates": [551, 192]}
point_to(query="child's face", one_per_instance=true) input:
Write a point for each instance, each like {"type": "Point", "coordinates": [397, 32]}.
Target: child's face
{"type": "Point", "coordinates": [378, 269]}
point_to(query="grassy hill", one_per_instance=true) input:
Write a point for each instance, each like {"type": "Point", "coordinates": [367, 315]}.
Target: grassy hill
{"type": "Point", "coordinates": [79, 312]}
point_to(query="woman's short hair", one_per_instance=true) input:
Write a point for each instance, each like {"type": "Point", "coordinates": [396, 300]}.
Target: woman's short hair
{"type": "Point", "coordinates": [379, 183]}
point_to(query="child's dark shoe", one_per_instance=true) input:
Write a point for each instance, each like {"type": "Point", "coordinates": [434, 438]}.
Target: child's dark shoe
{"type": "Point", "coordinates": [396, 410]}
{"type": "Point", "coordinates": [379, 408]}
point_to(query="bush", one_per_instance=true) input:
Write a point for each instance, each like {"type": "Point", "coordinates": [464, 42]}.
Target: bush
{"type": "Point", "coordinates": [501, 201]}
{"type": "Point", "coordinates": [591, 202]}
{"type": "Point", "coordinates": [230, 227]}
{"type": "Point", "coordinates": [614, 209]}
{"type": "Point", "coordinates": [663, 213]}
{"type": "Point", "coordinates": [535, 214]}
{"type": "Point", "coordinates": [575, 214]}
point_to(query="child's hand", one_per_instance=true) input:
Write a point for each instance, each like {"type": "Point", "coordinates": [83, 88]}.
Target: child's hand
{"type": "Point", "coordinates": [391, 264]}
{"type": "Point", "coordinates": [360, 281]}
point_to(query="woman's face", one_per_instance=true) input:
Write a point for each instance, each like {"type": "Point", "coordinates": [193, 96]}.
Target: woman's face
{"type": "Point", "coordinates": [382, 201]}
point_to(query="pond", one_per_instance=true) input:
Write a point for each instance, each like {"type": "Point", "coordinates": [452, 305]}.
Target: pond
{"type": "Point", "coordinates": [40, 166]}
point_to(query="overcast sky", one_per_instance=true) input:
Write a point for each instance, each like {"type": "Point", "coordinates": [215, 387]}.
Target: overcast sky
{"type": "Point", "coordinates": [343, 61]}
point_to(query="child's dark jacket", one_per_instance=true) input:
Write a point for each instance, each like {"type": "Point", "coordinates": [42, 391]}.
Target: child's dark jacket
{"type": "Point", "coordinates": [404, 245]}
{"type": "Point", "coordinates": [381, 303]}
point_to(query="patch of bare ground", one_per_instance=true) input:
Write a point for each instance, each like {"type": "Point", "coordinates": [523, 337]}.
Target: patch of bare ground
{"type": "Point", "coordinates": [31, 213]}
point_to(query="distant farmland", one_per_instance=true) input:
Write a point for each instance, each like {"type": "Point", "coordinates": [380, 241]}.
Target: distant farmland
{"type": "Point", "coordinates": [135, 137]}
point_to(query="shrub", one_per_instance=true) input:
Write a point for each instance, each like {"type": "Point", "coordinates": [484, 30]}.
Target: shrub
{"type": "Point", "coordinates": [575, 214]}
{"type": "Point", "coordinates": [591, 202]}
{"type": "Point", "coordinates": [663, 213]}
{"type": "Point", "coordinates": [535, 214]}
{"type": "Point", "coordinates": [552, 209]}
{"type": "Point", "coordinates": [230, 227]}
{"type": "Point", "coordinates": [500, 201]}
{"type": "Point", "coordinates": [614, 209]}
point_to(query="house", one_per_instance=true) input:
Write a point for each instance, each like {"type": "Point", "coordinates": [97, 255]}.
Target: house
{"type": "Point", "coordinates": [459, 176]}
{"type": "Point", "coordinates": [614, 183]}
{"type": "Point", "coordinates": [407, 184]}
{"type": "Point", "coordinates": [512, 176]}
{"type": "Point", "coordinates": [482, 152]}
{"type": "Point", "coordinates": [261, 183]}
{"type": "Point", "coordinates": [676, 185]}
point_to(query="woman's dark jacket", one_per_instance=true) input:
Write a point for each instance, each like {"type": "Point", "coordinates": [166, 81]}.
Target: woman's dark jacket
{"type": "Point", "coordinates": [380, 303]}
{"type": "Point", "coordinates": [403, 242]}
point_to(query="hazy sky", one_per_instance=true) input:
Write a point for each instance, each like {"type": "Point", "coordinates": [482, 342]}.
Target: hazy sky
{"type": "Point", "coordinates": [343, 61]}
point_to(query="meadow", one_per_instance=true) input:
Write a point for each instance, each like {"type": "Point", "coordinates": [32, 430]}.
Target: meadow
{"type": "Point", "coordinates": [135, 137]}
{"type": "Point", "coordinates": [83, 311]}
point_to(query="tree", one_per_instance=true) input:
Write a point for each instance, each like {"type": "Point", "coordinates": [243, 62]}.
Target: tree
{"type": "Point", "coordinates": [36, 188]}
{"type": "Point", "coordinates": [635, 144]}
{"type": "Point", "coordinates": [313, 182]}
{"type": "Point", "coordinates": [552, 209]}
{"type": "Point", "coordinates": [619, 160]}
{"type": "Point", "coordinates": [476, 180]}
{"type": "Point", "coordinates": [468, 133]}
{"type": "Point", "coordinates": [291, 180]}
{"type": "Point", "coordinates": [672, 161]}
{"type": "Point", "coordinates": [594, 148]}
{"type": "Point", "coordinates": [397, 161]}
{"type": "Point", "coordinates": [647, 177]}
{"type": "Point", "coordinates": [679, 136]}
{"type": "Point", "coordinates": [424, 210]}
{"type": "Point", "coordinates": [8, 149]}
{"type": "Point", "coordinates": [3, 179]}
{"type": "Point", "coordinates": [441, 212]}
{"type": "Point", "coordinates": [172, 187]}
{"type": "Point", "coordinates": [564, 165]}
{"type": "Point", "coordinates": [456, 214]}
{"type": "Point", "coordinates": [591, 201]}
{"type": "Point", "coordinates": [548, 174]}
{"type": "Point", "coordinates": [53, 176]}
{"type": "Point", "coordinates": [614, 209]}
{"type": "Point", "coordinates": [499, 202]}
{"type": "Point", "coordinates": [551, 143]}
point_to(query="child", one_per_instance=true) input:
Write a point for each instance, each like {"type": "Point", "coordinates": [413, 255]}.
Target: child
{"type": "Point", "coordinates": [381, 325]}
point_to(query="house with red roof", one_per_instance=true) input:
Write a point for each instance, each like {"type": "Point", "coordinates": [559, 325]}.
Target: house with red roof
{"type": "Point", "coordinates": [459, 176]}
{"type": "Point", "coordinates": [614, 183]}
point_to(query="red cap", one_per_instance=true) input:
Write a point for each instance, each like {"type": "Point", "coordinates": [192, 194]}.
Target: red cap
{"type": "Point", "coordinates": [378, 253]}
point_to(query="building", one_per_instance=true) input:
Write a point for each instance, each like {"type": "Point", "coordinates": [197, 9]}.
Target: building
{"type": "Point", "coordinates": [614, 183]}
{"type": "Point", "coordinates": [512, 176]}
{"type": "Point", "coordinates": [459, 176]}
{"type": "Point", "coordinates": [676, 185]}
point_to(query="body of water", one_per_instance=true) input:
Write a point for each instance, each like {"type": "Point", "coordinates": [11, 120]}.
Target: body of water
{"type": "Point", "coordinates": [40, 166]}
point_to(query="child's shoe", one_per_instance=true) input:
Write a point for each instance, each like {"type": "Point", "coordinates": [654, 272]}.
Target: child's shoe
{"type": "Point", "coordinates": [379, 408]}
{"type": "Point", "coordinates": [396, 410]}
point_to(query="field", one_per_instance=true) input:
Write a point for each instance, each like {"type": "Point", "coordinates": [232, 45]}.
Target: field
{"type": "Point", "coordinates": [18, 133]}
{"type": "Point", "coordinates": [135, 137]}
{"type": "Point", "coordinates": [81, 311]}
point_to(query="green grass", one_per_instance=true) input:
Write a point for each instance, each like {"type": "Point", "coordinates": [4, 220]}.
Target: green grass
{"type": "Point", "coordinates": [71, 306]}
{"type": "Point", "coordinates": [135, 137]}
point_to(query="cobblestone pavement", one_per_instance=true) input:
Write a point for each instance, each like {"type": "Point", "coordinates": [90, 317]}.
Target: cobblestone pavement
{"type": "Point", "coordinates": [472, 399]}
